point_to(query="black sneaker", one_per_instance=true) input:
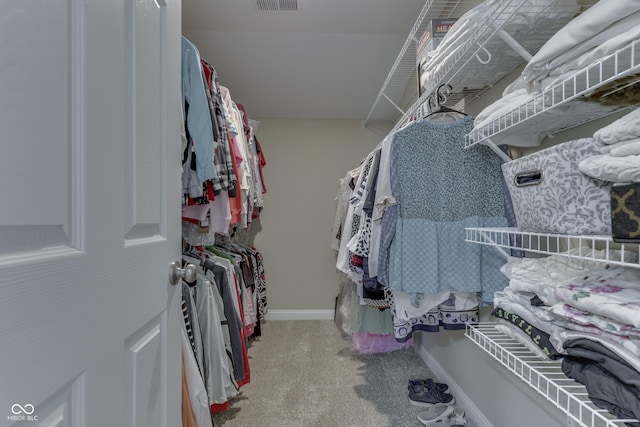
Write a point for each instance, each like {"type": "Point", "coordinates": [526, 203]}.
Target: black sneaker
{"type": "Point", "coordinates": [418, 384]}
{"type": "Point", "coordinates": [431, 396]}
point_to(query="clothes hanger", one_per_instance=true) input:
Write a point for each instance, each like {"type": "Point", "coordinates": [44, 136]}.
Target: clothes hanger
{"type": "Point", "coordinates": [438, 99]}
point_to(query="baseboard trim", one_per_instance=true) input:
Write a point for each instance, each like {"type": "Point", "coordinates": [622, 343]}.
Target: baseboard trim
{"type": "Point", "coordinates": [299, 315]}
{"type": "Point", "coordinates": [462, 399]}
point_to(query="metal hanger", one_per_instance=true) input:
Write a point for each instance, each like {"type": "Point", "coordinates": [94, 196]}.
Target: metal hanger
{"type": "Point", "coordinates": [435, 103]}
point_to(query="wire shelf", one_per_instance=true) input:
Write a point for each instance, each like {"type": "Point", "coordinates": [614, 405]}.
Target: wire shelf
{"type": "Point", "coordinates": [403, 70]}
{"type": "Point", "coordinates": [557, 244]}
{"type": "Point", "coordinates": [544, 376]}
{"type": "Point", "coordinates": [479, 62]}
{"type": "Point", "coordinates": [505, 40]}
{"type": "Point", "coordinates": [564, 104]}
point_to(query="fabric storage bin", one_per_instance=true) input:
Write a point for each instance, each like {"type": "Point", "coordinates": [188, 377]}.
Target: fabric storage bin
{"type": "Point", "coordinates": [550, 194]}
{"type": "Point", "coordinates": [625, 213]}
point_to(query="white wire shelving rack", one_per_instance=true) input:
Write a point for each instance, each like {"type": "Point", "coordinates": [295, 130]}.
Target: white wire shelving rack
{"type": "Point", "coordinates": [544, 376]}
{"type": "Point", "coordinates": [564, 105]}
{"type": "Point", "coordinates": [403, 70]}
{"type": "Point", "coordinates": [593, 248]}
{"type": "Point", "coordinates": [503, 39]}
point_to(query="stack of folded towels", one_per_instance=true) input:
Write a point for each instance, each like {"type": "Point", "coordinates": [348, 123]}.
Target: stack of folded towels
{"type": "Point", "coordinates": [620, 158]}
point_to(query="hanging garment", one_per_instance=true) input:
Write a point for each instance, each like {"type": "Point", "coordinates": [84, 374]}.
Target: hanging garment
{"type": "Point", "coordinates": [350, 262]}
{"type": "Point", "coordinates": [216, 370]}
{"type": "Point", "coordinates": [441, 188]}
{"type": "Point", "coordinates": [226, 178]}
{"type": "Point", "coordinates": [192, 324]}
{"type": "Point", "coordinates": [188, 418]}
{"type": "Point", "coordinates": [197, 116]}
{"type": "Point", "coordinates": [227, 292]}
{"type": "Point", "coordinates": [245, 354]}
{"type": "Point", "coordinates": [195, 385]}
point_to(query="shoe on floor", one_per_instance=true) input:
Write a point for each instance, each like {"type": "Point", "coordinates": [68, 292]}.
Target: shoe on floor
{"type": "Point", "coordinates": [418, 384]}
{"type": "Point", "coordinates": [435, 413]}
{"type": "Point", "coordinates": [456, 419]}
{"type": "Point", "coordinates": [429, 397]}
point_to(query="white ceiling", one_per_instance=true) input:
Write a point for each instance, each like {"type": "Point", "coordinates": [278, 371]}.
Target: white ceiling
{"type": "Point", "coordinates": [326, 61]}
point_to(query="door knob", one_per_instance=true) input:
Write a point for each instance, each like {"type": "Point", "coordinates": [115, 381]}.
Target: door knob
{"type": "Point", "coordinates": [176, 273]}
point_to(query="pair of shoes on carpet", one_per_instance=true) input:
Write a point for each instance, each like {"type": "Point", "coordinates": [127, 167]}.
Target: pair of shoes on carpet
{"type": "Point", "coordinates": [418, 384]}
{"type": "Point", "coordinates": [429, 396]}
{"type": "Point", "coordinates": [444, 416]}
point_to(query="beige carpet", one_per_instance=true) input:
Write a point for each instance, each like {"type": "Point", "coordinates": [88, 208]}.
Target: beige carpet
{"type": "Point", "coordinates": [304, 374]}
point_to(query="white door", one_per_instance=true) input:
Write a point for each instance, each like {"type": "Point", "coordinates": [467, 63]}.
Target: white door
{"type": "Point", "coordinates": [89, 212]}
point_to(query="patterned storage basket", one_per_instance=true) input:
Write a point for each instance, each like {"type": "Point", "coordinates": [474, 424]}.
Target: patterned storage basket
{"type": "Point", "coordinates": [625, 213]}
{"type": "Point", "coordinates": [551, 195]}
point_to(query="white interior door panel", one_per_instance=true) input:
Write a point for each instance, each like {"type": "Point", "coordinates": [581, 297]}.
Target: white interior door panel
{"type": "Point", "coordinates": [89, 213]}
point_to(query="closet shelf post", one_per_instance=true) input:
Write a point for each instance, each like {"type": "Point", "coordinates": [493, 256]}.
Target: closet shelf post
{"type": "Point", "coordinates": [492, 242]}
{"type": "Point", "coordinates": [513, 43]}
{"type": "Point", "coordinates": [394, 104]}
{"type": "Point", "coordinates": [489, 143]}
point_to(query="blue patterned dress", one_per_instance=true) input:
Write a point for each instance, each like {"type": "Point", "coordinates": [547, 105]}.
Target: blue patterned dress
{"type": "Point", "coordinates": [441, 188]}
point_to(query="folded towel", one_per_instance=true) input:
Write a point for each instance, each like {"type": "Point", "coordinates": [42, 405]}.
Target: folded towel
{"type": "Point", "coordinates": [502, 106]}
{"type": "Point", "coordinates": [625, 128]}
{"type": "Point", "coordinates": [606, 149]}
{"type": "Point", "coordinates": [589, 51]}
{"type": "Point", "coordinates": [628, 148]}
{"type": "Point", "coordinates": [574, 39]}
{"type": "Point", "coordinates": [613, 169]}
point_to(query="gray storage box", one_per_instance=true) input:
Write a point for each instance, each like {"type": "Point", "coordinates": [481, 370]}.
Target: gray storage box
{"type": "Point", "coordinates": [551, 195]}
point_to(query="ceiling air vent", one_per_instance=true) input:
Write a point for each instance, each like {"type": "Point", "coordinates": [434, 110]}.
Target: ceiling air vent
{"type": "Point", "coordinates": [277, 5]}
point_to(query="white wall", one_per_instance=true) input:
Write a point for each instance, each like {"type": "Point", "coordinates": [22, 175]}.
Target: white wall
{"type": "Point", "coordinates": [305, 161]}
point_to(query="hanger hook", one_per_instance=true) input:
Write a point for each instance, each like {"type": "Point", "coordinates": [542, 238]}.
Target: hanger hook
{"type": "Point", "coordinates": [486, 61]}
{"type": "Point", "coordinates": [442, 93]}
{"type": "Point", "coordinates": [433, 102]}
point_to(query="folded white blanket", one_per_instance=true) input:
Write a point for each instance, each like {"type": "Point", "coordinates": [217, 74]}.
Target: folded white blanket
{"type": "Point", "coordinates": [515, 85]}
{"type": "Point", "coordinates": [613, 169]}
{"type": "Point", "coordinates": [501, 106]}
{"type": "Point", "coordinates": [572, 40]}
{"type": "Point", "coordinates": [579, 320]}
{"type": "Point", "coordinates": [606, 149]}
{"type": "Point", "coordinates": [613, 38]}
{"type": "Point", "coordinates": [627, 148]}
{"type": "Point", "coordinates": [459, 32]}
{"type": "Point", "coordinates": [626, 127]}
{"type": "Point", "coordinates": [613, 293]}
{"type": "Point", "coordinates": [496, 13]}
{"type": "Point", "coordinates": [541, 275]}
